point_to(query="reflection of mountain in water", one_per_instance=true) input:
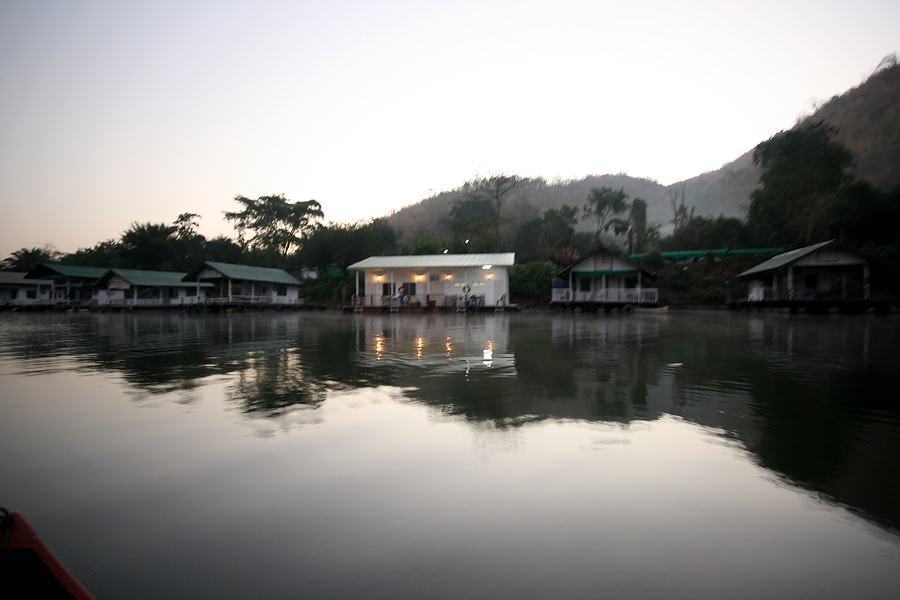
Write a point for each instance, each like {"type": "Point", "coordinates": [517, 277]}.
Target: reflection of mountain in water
{"type": "Point", "coordinates": [813, 398]}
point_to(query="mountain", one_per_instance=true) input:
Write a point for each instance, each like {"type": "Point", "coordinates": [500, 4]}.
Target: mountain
{"type": "Point", "coordinates": [867, 118]}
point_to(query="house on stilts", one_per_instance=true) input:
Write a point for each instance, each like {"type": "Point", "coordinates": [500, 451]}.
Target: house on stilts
{"type": "Point", "coordinates": [136, 287]}
{"type": "Point", "coordinates": [603, 279]}
{"type": "Point", "coordinates": [820, 276]}
{"type": "Point", "coordinates": [242, 285]}
{"type": "Point", "coordinates": [65, 285]}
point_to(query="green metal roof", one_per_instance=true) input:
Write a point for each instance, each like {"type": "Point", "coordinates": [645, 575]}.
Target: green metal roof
{"type": "Point", "coordinates": [143, 278]}
{"type": "Point", "coordinates": [16, 278]}
{"type": "Point", "coordinates": [720, 252]}
{"type": "Point", "coordinates": [245, 273]}
{"type": "Point", "coordinates": [51, 270]}
{"type": "Point", "coordinates": [785, 259]}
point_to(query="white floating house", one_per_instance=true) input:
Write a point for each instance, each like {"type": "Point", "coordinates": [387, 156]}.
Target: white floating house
{"type": "Point", "coordinates": [434, 280]}
{"type": "Point", "coordinates": [827, 270]}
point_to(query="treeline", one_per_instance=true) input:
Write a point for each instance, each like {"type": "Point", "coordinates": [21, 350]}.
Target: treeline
{"type": "Point", "coordinates": [807, 193]}
{"type": "Point", "coordinates": [271, 232]}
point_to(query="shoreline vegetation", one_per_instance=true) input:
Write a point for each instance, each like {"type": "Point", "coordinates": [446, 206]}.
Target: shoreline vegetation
{"type": "Point", "coordinates": [831, 176]}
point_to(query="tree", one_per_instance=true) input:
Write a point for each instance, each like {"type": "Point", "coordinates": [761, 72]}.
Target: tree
{"type": "Point", "coordinates": [275, 224]}
{"type": "Point", "coordinates": [604, 203]}
{"type": "Point", "coordinates": [532, 282]}
{"type": "Point", "coordinates": [804, 172]}
{"type": "Point", "coordinates": [151, 246]}
{"type": "Point", "coordinates": [559, 226]}
{"type": "Point", "coordinates": [425, 245]}
{"type": "Point", "coordinates": [703, 233]}
{"type": "Point", "coordinates": [107, 254]}
{"type": "Point", "coordinates": [344, 244]}
{"type": "Point", "coordinates": [494, 190]}
{"type": "Point", "coordinates": [186, 225]}
{"type": "Point", "coordinates": [541, 238]}
{"type": "Point", "coordinates": [681, 216]}
{"type": "Point", "coordinates": [26, 259]}
{"type": "Point", "coordinates": [223, 249]}
{"type": "Point", "coordinates": [472, 219]}
{"type": "Point", "coordinates": [526, 241]}
{"type": "Point", "coordinates": [638, 231]}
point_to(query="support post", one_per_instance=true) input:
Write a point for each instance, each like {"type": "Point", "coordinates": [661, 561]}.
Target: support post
{"type": "Point", "coordinates": [866, 280]}
{"type": "Point", "coordinates": [790, 282]}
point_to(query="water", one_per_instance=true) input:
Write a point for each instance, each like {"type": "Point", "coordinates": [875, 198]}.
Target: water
{"type": "Point", "coordinates": [322, 455]}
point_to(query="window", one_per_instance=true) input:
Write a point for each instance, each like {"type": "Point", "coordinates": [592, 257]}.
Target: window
{"type": "Point", "coordinates": [584, 284]}
{"type": "Point", "coordinates": [280, 289]}
{"type": "Point", "coordinates": [386, 289]}
{"type": "Point", "coordinates": [812, 282]}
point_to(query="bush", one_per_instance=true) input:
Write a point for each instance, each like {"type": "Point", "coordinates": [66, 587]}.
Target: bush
{"type": "Point", "coordinates": [532, 282]}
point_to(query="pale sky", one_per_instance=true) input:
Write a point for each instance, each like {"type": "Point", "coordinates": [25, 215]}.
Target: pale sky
{"type": "Point", "coordinates": [113, 112]}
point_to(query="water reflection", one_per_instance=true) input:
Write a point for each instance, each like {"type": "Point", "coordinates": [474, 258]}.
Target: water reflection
{"type": "Point", "coordinates": [814, 399]}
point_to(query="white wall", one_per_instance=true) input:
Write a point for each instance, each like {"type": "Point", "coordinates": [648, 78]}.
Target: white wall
{"type": "Point", "coordinates": [491, 283]}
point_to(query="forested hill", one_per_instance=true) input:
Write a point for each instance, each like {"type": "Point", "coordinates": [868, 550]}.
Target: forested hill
{"type": "Point", "coordinates": [868, 121]}
{"type": "Point", "coordinates": [867, 117]}
{"type": "Point", "coordinates": [425, 219]}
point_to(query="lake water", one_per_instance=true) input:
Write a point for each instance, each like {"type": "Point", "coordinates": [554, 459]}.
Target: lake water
{"type": "Point", "coordinates": [327, 455]}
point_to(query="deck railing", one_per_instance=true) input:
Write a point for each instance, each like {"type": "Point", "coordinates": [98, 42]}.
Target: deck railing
{"type": "Point", "coordinates": [422, 300]}
{"type": "Point", "coordinates": [194, 300]}
{"type": "Point", "coordinates": [613, 295]}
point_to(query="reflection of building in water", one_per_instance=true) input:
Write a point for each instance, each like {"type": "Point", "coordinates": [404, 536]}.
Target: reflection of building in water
{"type": "Point", "coordinates": [440, 341]}
{"type": "Point", "coordinates": [843, 343]}
{"type": "Point", "coordinates": [607, 362]}
{"type": "Point", "coordinates": [605, 330]}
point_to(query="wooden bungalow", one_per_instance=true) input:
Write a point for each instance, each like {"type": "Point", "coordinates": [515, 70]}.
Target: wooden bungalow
{"type": "Point", "coordinates": [603, 279]}
{"type": "Point", "coordinates": [824, 271]}
{"type": "Point", "coordinates": [434, 280]}
{"type": "Point", "coordinates": [241, 284]}
{"type": "Point", "coordinates": [69, 285]}
{"type": "Point", "coordinates": [134, 287]}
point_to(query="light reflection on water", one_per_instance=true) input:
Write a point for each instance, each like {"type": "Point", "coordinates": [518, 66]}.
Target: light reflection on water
{"type": "Point", "coordinates": [328, 455]}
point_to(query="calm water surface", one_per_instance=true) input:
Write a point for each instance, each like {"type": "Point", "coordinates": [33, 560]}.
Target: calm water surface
{"type": "Point", "coordinates": [321, 455]}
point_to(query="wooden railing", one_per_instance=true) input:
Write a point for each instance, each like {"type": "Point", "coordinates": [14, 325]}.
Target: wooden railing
{"type": "Point", "coordinates": [614, 295]}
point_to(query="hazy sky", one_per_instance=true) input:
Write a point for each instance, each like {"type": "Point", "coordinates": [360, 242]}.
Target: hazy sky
{"type": "Point", "coordinates": [120, 111]}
